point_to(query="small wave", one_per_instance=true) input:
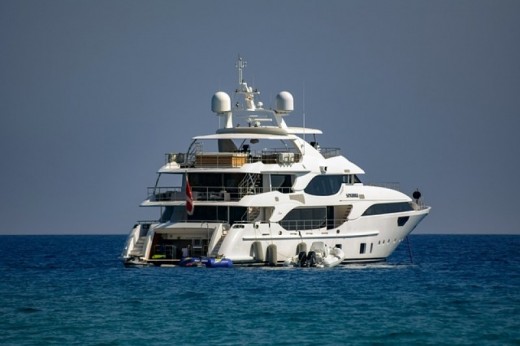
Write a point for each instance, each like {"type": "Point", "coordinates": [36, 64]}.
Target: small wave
{"type": "Point", "coordinates": [361, 266]}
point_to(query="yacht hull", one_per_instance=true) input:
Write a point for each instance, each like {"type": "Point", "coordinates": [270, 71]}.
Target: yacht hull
{"type": "Point", "coordinates": [367, 239]}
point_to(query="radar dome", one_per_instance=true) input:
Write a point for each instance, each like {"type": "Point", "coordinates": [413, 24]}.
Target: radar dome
{"type": "Point", "coordinates": [284, 102]}
{"type": "Point", "coordinates": [221, 102]}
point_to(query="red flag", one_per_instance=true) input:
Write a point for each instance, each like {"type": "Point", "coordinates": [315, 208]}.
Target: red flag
{"type": "Point", "coordinates": [189, 198]}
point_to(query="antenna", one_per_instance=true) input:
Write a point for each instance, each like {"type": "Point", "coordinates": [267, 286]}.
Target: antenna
{"type": "Point", "coordinates": [240, 65]}
{"type": "Point", "coordinates": [303, 100]}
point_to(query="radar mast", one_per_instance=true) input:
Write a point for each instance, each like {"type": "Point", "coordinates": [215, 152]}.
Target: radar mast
{"type": "Point", "coordinates": [243, 88]}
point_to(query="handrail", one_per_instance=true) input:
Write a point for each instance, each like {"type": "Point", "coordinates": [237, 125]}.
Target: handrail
{"type": "Point", "coordinates": [419, 205]}
{"type": "Point", "coordinates": [206, 193]}
{"type": "Point", "coordinates": [309, 224]}
{"type": "Point", "coordinates": [199, 158]}
{"type": "Point", "coordinates": [234, 159]}
{"type": "Point", "coordinates": [165, 193]}
{"type": "Point", "coordinates": [330, 152]}
{"type": "Point", "coordinates": [306, 225]}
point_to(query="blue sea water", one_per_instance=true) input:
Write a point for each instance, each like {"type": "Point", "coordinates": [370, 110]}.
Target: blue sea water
{"type": "Point", "coordinates": [69, 290]}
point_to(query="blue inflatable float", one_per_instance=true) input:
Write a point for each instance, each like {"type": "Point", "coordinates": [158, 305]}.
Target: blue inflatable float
{"type": "Point", "coordinates": [190, 262]}
{"type": "Point", "coordinates": [219, 263]}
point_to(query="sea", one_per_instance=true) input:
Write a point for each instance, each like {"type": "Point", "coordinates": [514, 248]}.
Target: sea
{"type": "Point", "coordinates": [434, 290]}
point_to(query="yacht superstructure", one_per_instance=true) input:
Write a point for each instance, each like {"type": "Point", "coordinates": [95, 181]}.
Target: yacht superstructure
{"type": "Point", "coordinates": [257, 193]}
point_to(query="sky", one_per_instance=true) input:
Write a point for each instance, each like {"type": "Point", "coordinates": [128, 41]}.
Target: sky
{"type": "Point", "coordinates": [94, 93]}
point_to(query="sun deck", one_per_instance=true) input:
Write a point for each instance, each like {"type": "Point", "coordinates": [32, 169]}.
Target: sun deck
{"type": "Point", "coordinates": [238, 159]}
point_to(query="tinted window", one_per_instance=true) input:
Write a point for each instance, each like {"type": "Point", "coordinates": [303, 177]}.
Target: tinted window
{"type": "Point", "coordinates": [402, 220]}
{"type": "Point", "coordinates": [324, 185]}
{"type": "Point", "coordinates": [387, 208]}
{"type": "Point", "coordinates": [216, 213]}
{"type": "Point", "coordinates": [282, 183]}
{"type": "Point", "coordinates": [308, 218]}
{"type": "Point", "coordinates": [167, 214]}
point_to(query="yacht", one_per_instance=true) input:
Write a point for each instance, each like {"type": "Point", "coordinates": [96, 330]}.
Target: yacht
{"type": "Point", "coordinates": [257, 192]}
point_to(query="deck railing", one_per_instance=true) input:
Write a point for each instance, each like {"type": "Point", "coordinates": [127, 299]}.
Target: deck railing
{"type": "Point", "coordinates": [281, 156]}
{"type": "Point", "coordinates": [295, 225]}
{"type": "Point", "coordinates": [419, 205]}
{"type": "Point", "coordinates": [207, 193]}
{"type": "Point", "coordinates": [330, 152]}
{"type": "Point", "coordinates": [166, 193]}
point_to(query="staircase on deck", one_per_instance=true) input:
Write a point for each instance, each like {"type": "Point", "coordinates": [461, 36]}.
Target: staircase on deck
{"type": "Point", "coordinates": [216, 248]}
{"type": "Point", "coordinates": [250, 185]}
{"type": "Point", "coordinates": [138, 249]}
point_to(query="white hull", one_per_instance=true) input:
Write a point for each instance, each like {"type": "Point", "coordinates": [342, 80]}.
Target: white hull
{"type": "Point", "coordinates": [367, 240]}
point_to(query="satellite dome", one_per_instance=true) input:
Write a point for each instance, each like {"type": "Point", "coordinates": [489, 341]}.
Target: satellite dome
{"type": "Point", "coordinates": [221, 102]}
{"type": "Point", "coordinates": [284, 102]}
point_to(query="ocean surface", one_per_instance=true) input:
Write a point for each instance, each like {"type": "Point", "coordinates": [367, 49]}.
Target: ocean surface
{"type": "Point", "coordinates": [72, 290]}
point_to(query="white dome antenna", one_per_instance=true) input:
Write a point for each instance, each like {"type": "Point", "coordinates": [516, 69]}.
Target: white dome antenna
{"type": "Point", "coordinates": [221, 104]}
{"type": "Point", "coordinates": [284, 103]}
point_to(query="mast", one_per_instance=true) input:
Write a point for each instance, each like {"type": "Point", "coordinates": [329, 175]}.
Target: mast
{"type": "Point", "coordinates": [243, 88]}
{"type": "Point", "coordinates": [240, 65]}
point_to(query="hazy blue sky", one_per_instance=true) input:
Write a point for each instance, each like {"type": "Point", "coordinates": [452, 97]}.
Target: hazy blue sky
{"type": "Point", "coordinates": [93, 93]}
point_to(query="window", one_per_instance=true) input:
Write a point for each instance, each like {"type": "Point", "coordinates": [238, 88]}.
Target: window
{"type": "Point", "coordinates": [304, 218]}
{"type": "Point", "coordinates": [362, 248]}
{"type": "Point", "coordinates": [167, 214]}
{"type": "Point", "coordinates": [387, 208]}
{"type": "Point", "coordinates": [216, 213]}
{"type": "Point", "coordinates": [282, 183]}
{"type": "Point", "coordinates": [401, 220]}
{"type": "Point", "coordinates": [326, 185]}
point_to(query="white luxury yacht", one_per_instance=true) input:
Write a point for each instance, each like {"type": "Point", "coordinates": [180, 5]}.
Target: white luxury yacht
{"type": "Point", "coordinates": [257, 193]}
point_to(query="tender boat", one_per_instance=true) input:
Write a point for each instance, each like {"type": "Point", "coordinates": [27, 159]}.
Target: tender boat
{"type": "Point", "coordinates": [257, 192]}
{"type": "Point", "coordinates": [320, 255]}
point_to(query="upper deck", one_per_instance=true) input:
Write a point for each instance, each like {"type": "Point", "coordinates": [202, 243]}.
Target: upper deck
{"type": "Point", "coordinates": [236, 159]}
